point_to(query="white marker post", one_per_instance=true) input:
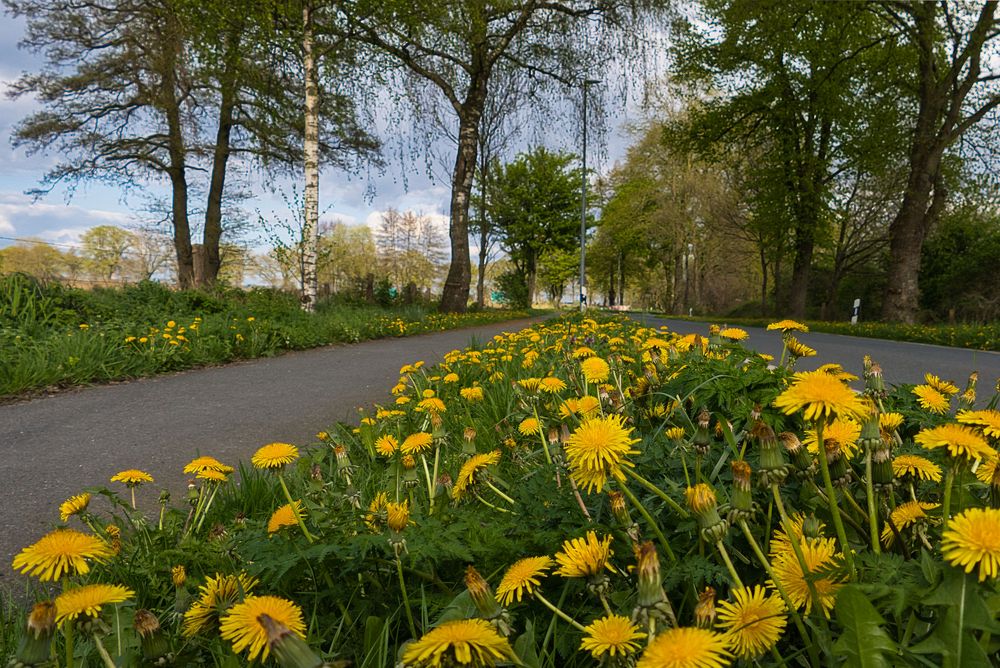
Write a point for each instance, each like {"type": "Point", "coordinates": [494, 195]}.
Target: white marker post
{"type": "Point", "coordinates": [856, 311]}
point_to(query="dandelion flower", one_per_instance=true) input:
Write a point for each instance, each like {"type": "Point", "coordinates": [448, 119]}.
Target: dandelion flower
{"type": "Point", "coordinates": [686, 647]}
{"type": "Point", "coordinates": [734, 334]}
{"type": "Point", "coordinates": [274, 456]}
{"type": "Point", "coordinates": [889, 422]}
{"type": "Point", "coordinates": [819, 396]}
{"type": "Point", "coordinates": [241, 625]}
{"type": "Point", "coordinates": [584, 557]}
{"type": "Point", "coordinates": [917, 467]}
{"type": "Point", "coordinates": [470, 469]}
{"type": "Point", "coordinates": [844, 432]}
{"type": "Point", "coordinates": [286, 516]}
{"type": "Point", "coordinates": [215, 596]}
{"type": "Point", "coordinates": [584, 406]}
{"type": "Point", "coordinates": [521, 578]}
{"type": "Point", "coordinates": [530, 384]}
{"type": "Point", "coordinates": [905, 515]}
{"type": "Point", "coordinates": [595, 370]}
{"type": "Point", "coordinates": [753, 622]}
{"type": "Point", "coordinates": [597, 449]}
{"type": "Point", "coordinates": [798, 349]}
{"type": "Point", "coordinates": [61, 552]}
{"type": "Point", "coordinates": [551, 384]}
{"type": "Point", "coordinates": [431, 405]}
{"type": "Point", "coordinates": [528, 426]}
{"type": "Point", "coordinates": [386, 445]}
{"type": "Point", "coordinates": [416, 443]}
{"type": "Point", "coordinates": [88, 600]}
{"type": "Point", "coordinates": [822, 564]}
{"type": "Point", "coordinates": [945, 387]}
{"type": "Point", "coordinates": [787, 326]}
{"type": "Point", "coordinates": [450, 378]}
{"type": "Point", "coordinates": [463, 642]}
{"type": "Point", "coordinates": [973, 539]}
{"type": "Point", "coordinates": [472, 394]}
{"type": "Point", "coordinates": [376, 510]}
{"type": "Point", "coordinates": [931, 400]}
{"type": "Point", "coordinates": [960, 441]}
{"type": "Point", "coordinates": [132, 477]}
{"type": "Point", "coordinates": [613, 635]}
{"type": "Point", "coordinates": [583, 352]}
{"type": "Point", "coordinates": [206, 463]}
{"type": "Point", "coordinates": [212, 476]}
{"type": "Point", "coordinates": [74, 505]}
{"type": "Point", "coordinates": [988, 421]}
{"type": "Point", "coordinates": [397, 515]}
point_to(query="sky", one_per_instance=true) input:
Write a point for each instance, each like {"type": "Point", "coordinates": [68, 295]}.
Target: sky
{"type": "Point", "coordinates": [62, 216]}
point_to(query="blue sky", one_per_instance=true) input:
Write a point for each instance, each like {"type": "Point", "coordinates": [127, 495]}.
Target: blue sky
{"type": "Point", "coordinates": [61, 216]}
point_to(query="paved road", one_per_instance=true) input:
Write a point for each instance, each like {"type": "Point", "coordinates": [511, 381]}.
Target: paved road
{"type": "Point", "coordinates": [51, 448]}
{"type": "Point", "coordinates": [902, 362]}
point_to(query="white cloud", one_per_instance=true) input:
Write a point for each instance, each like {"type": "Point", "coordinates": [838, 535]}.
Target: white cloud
{"type": "Point", "coordinates": [21, 216]}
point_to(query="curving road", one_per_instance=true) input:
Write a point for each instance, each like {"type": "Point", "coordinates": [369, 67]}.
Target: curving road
{"type": "Point", "coordinates": [55, 446]}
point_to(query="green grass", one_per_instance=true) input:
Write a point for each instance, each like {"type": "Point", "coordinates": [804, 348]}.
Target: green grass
{"type": "Point", "coordinates": [980, 337]}
{"type": "Point", "coordinates": [52, 336]}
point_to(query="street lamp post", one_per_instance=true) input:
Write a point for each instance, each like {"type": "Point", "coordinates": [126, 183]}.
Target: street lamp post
{"type": "Point", "coordinates": [583, 203]}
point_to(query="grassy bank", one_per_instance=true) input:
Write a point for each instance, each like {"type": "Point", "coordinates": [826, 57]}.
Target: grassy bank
{"type": "Point", "coordinates": [980, 337]}
{"type": "Point", "coordinates": [54, 336]}
{"type": "Point", "coordinates": [595, 485]}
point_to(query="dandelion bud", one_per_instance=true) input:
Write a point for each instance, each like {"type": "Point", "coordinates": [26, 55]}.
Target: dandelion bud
{"type": "Point", "coordinates": [874, 382]}
{"type": "Point", "coordinates": [702, 440]}
{"type": "Point", "coordinates": [812, 527]}
{"type": "Point", "coordinates": [968, 397]}
{"type": "Point", "coordinates": [882, 474]}
{"type": "Point", "coordinates": [840, 474]}
{"type": "Point", "coordinates": [704, 506]}
{"type": "Point", "coordinates": [469, 434]}
{"type": "Point", "coordinates": [35, 648]}
{"type": "Point", "coordinates": [773, 469]}
{"type": "Point", "coordinates": [871, 433]}
{"type": "Point", "coordinates": [741, 507]}
{"type": "Point", "coordinates": [674, 436]}
{"type": "Point", "coordinates": [151, 637]}
{"type": "Point", "coordinates": [316, 473]}
{"type": "Point", "coordinates": [650, 581]}
{"type": "Point", "coordinates": [704, 611]}
{"type": "Point", "coordinates": [619, 509]}
{"type": "Point", "coordinates": [178, 575]}
{"type": "Point", "coordinates": [164, 497]}
{"type": "Point", "coordinates": [486, 603]}
{"type": "Point", "coordinates": [288, 649]}
{"type": "Point", "coordinates": [801, 459]}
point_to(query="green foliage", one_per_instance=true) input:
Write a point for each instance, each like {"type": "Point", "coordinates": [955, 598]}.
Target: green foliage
{"type": "Point", "coordinates": [863, 641]}
{"type": "Point", "coordinates": [513, 289]}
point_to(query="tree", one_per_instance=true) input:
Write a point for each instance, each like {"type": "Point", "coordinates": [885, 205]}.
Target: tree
{"type": "Point", "coordinates": [349, 253]}
{"type": "Point", "coordinates": [409, 247]}
{"type": "Point", "coordinates": [557, 268]}
{"type": "Point", "coordinates": [955, 83]}
{"type": "Point", "coordinates": [535, 208]}
{"type": "Point", "coordinates": [456, 47]}
{"type": "Point", "coordinates": [34, 257]}
{"type": "Point", "coordinates": [149, 254]}
{"type": "Point", "coordinates": [104, 250]}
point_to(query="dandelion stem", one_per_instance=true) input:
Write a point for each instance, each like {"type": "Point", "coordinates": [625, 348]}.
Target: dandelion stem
{"type": "Point", "coordinates": [541, 434]}
{"type": "Point", "coordinates": [406, 598]}
{"type": "Point", "coordinates": [649, 519]}
{"type": "Point", "coordinates": [132, 490]}
{"type": "Point", "coordinates": [434, 477]}
{"type": "Point", "coordinates": [872, 511]}
{"type": "Point", "coordinates": [490, 505]}
{"type": "Point", "coordinates": [105, 657]}
{"type": "Point", "coordinates": [430, 489]}
{"type": "Point", "coordinates": [831, 493]}
{"type": "Point", "coordinates": [68, 634]}
{"type": "Point", "coordinates": [499, 493]}
{"type": "Point", "coordinates": [946, 502]}
{"type": "Point", "coordinates": [562, 615]}
{"type": "Point", "coordinates": [729, 563]}
{"type": "Point", "coordinates": [655, 490]}
{"type": "Point", "coordinates": [298, 515]}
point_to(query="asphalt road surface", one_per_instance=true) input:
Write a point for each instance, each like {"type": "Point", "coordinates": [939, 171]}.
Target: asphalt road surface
{"type": "Point", "coordinates": [55, 446]}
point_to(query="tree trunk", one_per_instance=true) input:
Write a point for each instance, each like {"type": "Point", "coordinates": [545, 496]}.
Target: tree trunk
{"type": "Point", "coordinates": [804, 244]}
{"type": "Point", "coordinates": [621, 279]}
{"type": "Point", "coordinates": [220, 158]}
{"type": "Point", "coordinates": [763, 280]}
{"type": "Point", "coordinates": [530, 276]}
{"type": "Point", "coordinates": [310, 223]}
{"type": "Point", "coordinates": [178, 177]}
{"type": "Point", "coordinates": [481, 282]}
{"type": "Point", "coordinates": [455, 296]}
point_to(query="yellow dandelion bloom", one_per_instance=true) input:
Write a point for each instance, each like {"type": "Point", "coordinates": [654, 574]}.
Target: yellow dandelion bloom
{"type": "Point", "coordinates": [274, 456]}
{"type": "Point", "coordinates": [734, 334]}
{"type": "Point", "coordinates": [753, 622]}
{"type": "Point", "coordinates": [613, 635]}
{"type": "Point", "coordinates": [416, 443]}
{"type": "Point", "coordinates": [583, 352]}
{"type": "Point", "coordinates": [973, 539]}
{"type": "Point", "coordinates": [945, 387]}
{"type": "Point", "coordinates": [905, 515]}
{"type": "Point", "coordinates": [787, 326]}
{"type": "Point", "coordinates": [584, 407]}
{"type": "Point", "coordinates": [74, 505]}
{"type": "Point", "coordinates": [61, 552]}
{"type": "Point", "coordinates": [917, 467]}
{"type": "Point", "coordinates": [206, 463]}
{"type": "Point", "coordinates": [931, 400]}
{"type": "Point", "coordinates": [450, 378]}
{"type": "Point", "coordinates": [464, 642]}
{"type": "Point", "coordinates": [470, 469]}
{"type": "Point", "coordinates": [88, 600]}
{"type": "Point", "coordinates": [397, 515]}
{"type": "Point", "coordinates": [241, 625]}
{"type": "Point", "coordinates": [178, 575]}
{"type": "Point", "coordinates": [528, 426]}
{"type": "Point", "coordinates": [212, 475]}
{"type": "Point", "coordinates": [798, 349]}
{"type": "Point", "coordinates": [822, 564]}
{"type": "Point", "coordinates": [431, 405]}
{"type": "Point", "coordinates": [375, 509]}
{"type": "Point", "coordinates": [132, 477]}
{"type": "Point", "coordinates": [551, 384]}
{"type": "Point", "coordinates": [584, 557]}
{"type": "Point", "coordinates": [595, 370]}
{"type": "Point", "coordinates": [472, 394]}
{"type": "Point", "coordinates": [386, 445]}
{"type": "Point", "coordinates": [960, 441]}
{"type": "Point", "coordinates": [215, 596]}
{"type": "Point", "coordinates": [988, 421]}
{"type": "Point", "coordinates": [597, 449]}
{"type": "Point", "coordinates": [842, 432]}
{"type": "Point", "coordinates": [686, 647]}
{"type": "Point", "coordinates": [889, 422]}
{"type": "Point", "coordinates": [285, 516]}
{"type": "Point", "coordinates": [674, 434]}
{"type": "Point", "coordinates": [988, 471]}
{"type": "Point", "coordinates": [521, 578]}
{"type": "Point", "coordinates": [820, 396]}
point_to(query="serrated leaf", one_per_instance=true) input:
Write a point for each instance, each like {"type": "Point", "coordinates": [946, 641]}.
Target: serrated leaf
{"type": "Point", "coordinates": [863, 642]}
